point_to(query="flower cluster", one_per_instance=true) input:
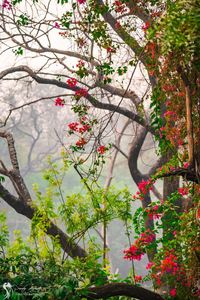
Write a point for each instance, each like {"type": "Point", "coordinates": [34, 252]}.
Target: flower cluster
{"type": "Point", "coordinates": [80, 64]}
{"type": "Point", "coordinates": [144, 186]}
{"type": "Point", "coordinates": [133, 253]}
{"type": "Point", "coordinates": [183, 191]}
{"type": "Point", "coordinates": [79, 127]}
{"type": "Point", "coordinates": [59, 101]}
{"type": "Point", "coordinates": [81, 142]}
{"type": "Point", "coordinates": [168, 267]}
{"type": "Point", "coordinates": [6, 4]}
{"type": "Point", "coordinates": [146, 238]}
{"type": "Point", "coordinates": [137, 250]}
{"type": "Point", "coordinates": [173, 292]}
{"type": "Point", "coordinates": [81, 93]}
{"type": "Point", "coordinates": [169, 264]}
{"type": "Point", "coordinates": [120, 7]}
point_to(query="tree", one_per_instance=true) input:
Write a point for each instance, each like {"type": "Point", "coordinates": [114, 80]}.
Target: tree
{"type": "Point", "coordinates": [113, 41]}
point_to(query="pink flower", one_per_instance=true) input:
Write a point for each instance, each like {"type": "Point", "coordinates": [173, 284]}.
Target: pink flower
{"type": "Point", "coordinates": [173, 292]}
{"type": "Point", "coordinates": [56, 25]}
{"type": "Point", "coordinates": [72, 82]}
{"type": "Point", "coordinates": [59, 102]}
{"type": "Point", "coordinates": [183, 191]}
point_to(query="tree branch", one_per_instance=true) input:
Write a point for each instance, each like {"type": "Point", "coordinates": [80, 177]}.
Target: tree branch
{"type": "Point", "coordinates": [121, 289]}
{"type": "Point", "coordinates": [108, 106]}
{"type": "Point", "coordinates": [123, 34]}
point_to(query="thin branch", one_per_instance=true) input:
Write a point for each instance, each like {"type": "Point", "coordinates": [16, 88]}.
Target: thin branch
{"type": "Point", "coordinates": [106, 106]}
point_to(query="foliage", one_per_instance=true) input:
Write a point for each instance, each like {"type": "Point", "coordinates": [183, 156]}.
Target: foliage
{"type": "Point", "coordinates": [37, 268]}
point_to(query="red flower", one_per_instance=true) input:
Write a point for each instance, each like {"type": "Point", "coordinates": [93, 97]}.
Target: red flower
{"type": "Point", "coordinates": [101, 149]}
{"type": "Point", "coordinates": [149, 265]}
{"type": "Point", "coordinates": [59, 102]}
{"type": "Point", "coordinates": [181, 94]}
{"type": "Point", "coordinates": [84, 128]}
{"type": "Point", "coordinates": [144, 186]}
{"type": "Point", "coordinates": [133, 253]}
{"type": "Point", "coordinates": [72, 82]}
{"type": "Point", "coordinates": [169, 264]}
{"type": "Point", "coordinates": [73, 126]}
{"type": "Point", "coordinates": [80, 143]}
{"type": "Point", "coordinates": [173, 292]}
